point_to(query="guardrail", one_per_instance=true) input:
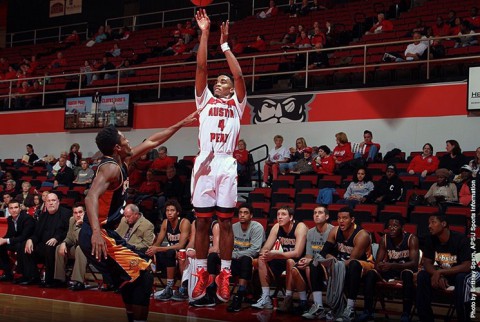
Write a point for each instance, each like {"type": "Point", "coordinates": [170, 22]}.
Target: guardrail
{"type": "Point", "coordinates": [121, 84]}
{"type": "Point", "coordinates": [57, 33]}
{"type": "Point", "coordinates": [161, 18]}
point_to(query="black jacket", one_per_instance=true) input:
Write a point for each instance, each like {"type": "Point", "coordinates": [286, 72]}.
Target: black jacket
{"type": "Point", "coordinates": [25, 228]}
{"type": "Point", "coordinates": [391, 190]}
{"type": "Point", "coordinates": [57, 226]}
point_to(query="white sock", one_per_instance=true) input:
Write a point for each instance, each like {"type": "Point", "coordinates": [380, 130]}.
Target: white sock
{"type": "Point", "coordinates": [302, 295]}
{"type": "Point", "coordinates": [265, 291]}
{"type": "Point", "coordinates": [351, 303]}
{"type": "Point", "coordinates": [225, 264]}
{"type": "Point", "coordinates": [317, 298]}
{"type": "Point", "coordinates": [202, 263]}
{"type": "Point", "coordinates": [288, 292]}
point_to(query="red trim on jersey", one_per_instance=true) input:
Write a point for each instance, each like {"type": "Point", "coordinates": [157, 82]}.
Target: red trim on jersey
{"type": "Point", "coordinates": [204, 214]}
{"type": "Point", "coordinates": [224, 215]}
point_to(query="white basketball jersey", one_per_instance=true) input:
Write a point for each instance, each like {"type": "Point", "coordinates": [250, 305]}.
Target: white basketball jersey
{"type": "Point", "coordinates": [219, 122]}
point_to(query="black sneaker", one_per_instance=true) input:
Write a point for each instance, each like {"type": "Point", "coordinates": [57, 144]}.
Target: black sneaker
{"type": "Point", "coordinates": [205, 301]}
{"type": "Point", "coordinates": [236, 304]}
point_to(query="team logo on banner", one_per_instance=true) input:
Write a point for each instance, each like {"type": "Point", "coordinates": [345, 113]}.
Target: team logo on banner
{"type": "Point", "coordinates": [57, 8]}
{"type": "Point", "coordinates": [280, 109]}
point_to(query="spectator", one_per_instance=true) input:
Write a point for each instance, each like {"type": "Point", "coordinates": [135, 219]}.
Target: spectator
{"type": "Point", "coordinates": [358, 190]}
{"type": "Point", "coordinates": [316, 238]}
{"type": "Point", "coordinates": [475, 163]}
{"type": "Point", "coordinates": [292, 9]}
{"type": "Point", "coordinates": [84, 175]}
{"type": "Point", "coordinates": [286, 240]}
{"type": "Point", "coordinates": [149, 189]}
{"type": "Point", "coordinates": [126, 72]}
{"type": "Point", "coordinates": [303, 42]}
{"type": "Point", "coordinates": [397, 258]}
{"type": "Point", "coordinates": [98, 37]}
{"type": "Point", "coordinates": [105, 70]}
{"type": "Point", "coordinates": [419, 27]}
{"type": "Point", "coordinates": [441, 191]}
{"type": "Point", "coordinates": [352, 245]}
{"type": "Point", "coordinates": [454, 159]}
{"type": "Point", "coordinates": [296, 154]}
{"type": "Point", "coordinates": [367, 149]}
{"type": "Point", "coordinates": [30, 157]}
{"type": "Point", "coordinates": [7, 198]}
{"type": "Point", "coordinates": [72, 39]}
{"type": "Point", "coordinates": [188, 33]}
{"type": "Point", "coordinates": [451, 19]}
{"type": "Point", "coordinates": [74, 156]}
{"type": "Point", "coordinates": [474, 19]}
{"type": "Point", "coordinates": [415, 51]}
{"type": "Point", "coordinates": [423, 164]}
{"type": "Point", "coordinates": [382, 25]}
{"type": "Point", "coordinates": [342, 153]}
{"type": "Point", "coordinates": [33, 98]}
{"type": "Point", "coordinates": [248, 237]}
{"type": "Point", "coordinates": [122, 34]}
{"type": "Point", "coordinates": [114, 52]}
{"type": "Point", "coordinates": [58, 62]}
{"type": "Point", "coordinates": [304, 165]}
{"type": "Point", "coordinates": [271, 11]}
{"type": "Point", "coordinates": [440, 28]}
{"type": "Point", "coordinates": [176, 49]}
{"type": "Point", "coordinates": [389, 189]}
{"type": "Point", "coordinates": [288, 39]}
{"type": "Point", "coordinates": [324, 163]}
{"type": "Point", "coordinates": [87, 70]}
{"type": "Point", "coordinates": [64, 176]}
{"type": "Point", "coordinates": [69, 249]}
{"type": "Point", "coordinates": [25, 197]}
{"type": "Point", "coordinates": [20, 228]}
{"type": "Point", "coordinates": [447, 262]}
{"type": "Point", "coordinates": [241, 155]}
{"type": "Point", "coordinates": [135, 229]}
{"type": "Point", "coordinates": [51, 228]}
{"type": "Point", "coordinates": [304, 8]}
{"type": "Point", "coordinates": [318, 58]}
{"type": "Point", "coordinates": [172, 189]}
{"type": "Point", "coordinates": [258, 46]}
{"type": "Point", "coordinates": [276, 156]}
{"type": "Point", "coordinates": [464, 182]}
{"type": "Point", "coordinates": [138, 169]}
{"type": "Point", "coordinates": [20, 95]}
{"type": "Point", "coordinates": [466, 38]}
{"type": "Point", "coordinates": [237, 47]}
{"type": "Point", "coordinates": [177, 231]}
{"type": "Point", "coordinates": [455, 30]}
{"type": "Point", "coordinates": [163, 161]}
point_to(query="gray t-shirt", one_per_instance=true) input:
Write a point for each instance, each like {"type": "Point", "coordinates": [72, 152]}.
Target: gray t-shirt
{"type": "Point", "coordinates": [249, 242]}
{"type": "Point", "coordinates": [85, 175]}
{"type": "Point", "coordinates": [316, 240]}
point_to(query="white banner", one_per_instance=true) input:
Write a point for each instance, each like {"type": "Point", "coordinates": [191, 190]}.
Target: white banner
{"type": "Point", "coordinates": [73, 7]}
{"type": "Point", "coordinates": [57, 8]}
{"type": "Point", "coordinates": [473, 101]}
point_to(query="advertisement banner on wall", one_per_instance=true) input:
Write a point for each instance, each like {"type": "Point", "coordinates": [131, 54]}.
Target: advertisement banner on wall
{"type": "Point", "coordinates": [473, 94]}
{"type": "Point", "coordinates": [73, 7]}
{"type": "Point", "coordinates": [57, 8]}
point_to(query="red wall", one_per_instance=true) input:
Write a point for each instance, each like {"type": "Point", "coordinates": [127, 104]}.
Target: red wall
{"type": "Point", "coordinates": [385, 103]}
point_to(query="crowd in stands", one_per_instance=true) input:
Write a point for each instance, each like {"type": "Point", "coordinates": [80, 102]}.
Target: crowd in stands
{"type": "Point", "coordinates": [162, 195]}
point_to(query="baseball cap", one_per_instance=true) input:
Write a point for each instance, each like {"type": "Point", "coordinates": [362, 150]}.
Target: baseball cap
{"type": "Point", "coordinates": [308, 150]}
{"type": "Point", "coordinates": [466, 167]}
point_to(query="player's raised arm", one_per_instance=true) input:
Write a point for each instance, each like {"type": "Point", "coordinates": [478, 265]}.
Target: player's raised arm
{"type": "Point", "coordinates": [233, 64]}
{"type": "Point", "coordinates": [160, 137]}
{"type": "Point", "coordinates": [201, 75]}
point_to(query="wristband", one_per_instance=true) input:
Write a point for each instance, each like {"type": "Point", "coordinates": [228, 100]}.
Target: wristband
{"type": "Point", "coordinates": [225, 46]}
{"type": "Point", "coordinates": [190, 249]}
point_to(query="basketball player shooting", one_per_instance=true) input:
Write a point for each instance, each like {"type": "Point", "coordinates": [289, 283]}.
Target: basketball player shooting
{"type": "Point", "coordinates": [214, 176]}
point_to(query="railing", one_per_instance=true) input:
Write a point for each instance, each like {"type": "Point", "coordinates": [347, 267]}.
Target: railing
{"type": "Point", "coordinates": [161, 81]}
{"type": "Point", "coordinates": [257, 162]}
{"type": "Point", "coordinates": [162, 18]}
{"type": "Point", "coordinates": [56, 33]}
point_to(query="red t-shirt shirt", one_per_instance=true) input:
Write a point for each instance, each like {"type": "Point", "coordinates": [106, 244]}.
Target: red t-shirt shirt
{"type": "Point", "coordinates": [241, 156]}
{"type": "Point", "coordinates": [162, 164]}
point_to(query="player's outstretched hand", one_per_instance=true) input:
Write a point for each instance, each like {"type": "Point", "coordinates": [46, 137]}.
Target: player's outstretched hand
{"type": "Point", "coordinates": [203, 22]}
{"type": "Point", "coordinates": [191, 118]}
{"type": "Point", "coordinates": [224, 32]}
{"type": "Point", "coordinates": [99, 247]}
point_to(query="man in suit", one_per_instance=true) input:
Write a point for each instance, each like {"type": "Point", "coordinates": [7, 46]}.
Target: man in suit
{"type": "Point", "coordinates": [51, 228]}
{"type": "Point", "coordinates": [136, 229]}
{"type": "Point", "coordinates": [69, 248]}
{"type": "Point", "coordinates": [20, 228]}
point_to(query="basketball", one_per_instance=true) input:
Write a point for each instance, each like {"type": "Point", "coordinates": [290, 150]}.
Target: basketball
{"type": "Point", "coordinates": [201, 3]}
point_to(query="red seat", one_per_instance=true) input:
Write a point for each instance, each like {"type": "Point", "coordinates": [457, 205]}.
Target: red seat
{"type": "Point", "coordinates": [376, 229]}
